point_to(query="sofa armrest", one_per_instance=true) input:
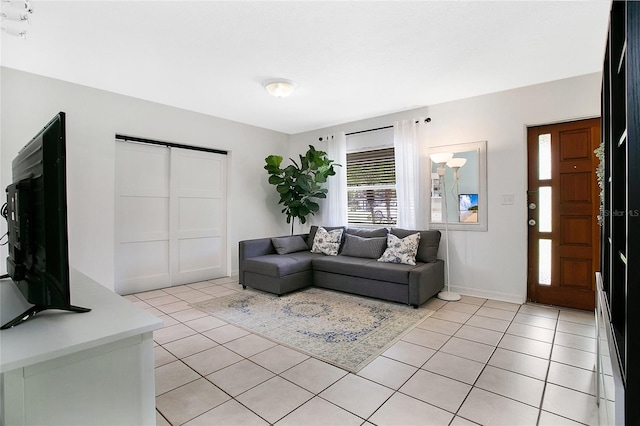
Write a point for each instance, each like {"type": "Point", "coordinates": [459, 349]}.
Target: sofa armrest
{"type": "Point", "coordinates": [425, 281]}
{"type": "Point", "coordinates": [248, 249]}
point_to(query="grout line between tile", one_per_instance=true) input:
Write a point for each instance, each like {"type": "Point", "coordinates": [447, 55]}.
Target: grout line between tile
{"type": "Point", "coordinates": [546, 376]}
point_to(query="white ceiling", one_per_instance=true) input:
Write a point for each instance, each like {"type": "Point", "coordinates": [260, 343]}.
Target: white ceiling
{"type": "Point", "coordinates": [350, 59]}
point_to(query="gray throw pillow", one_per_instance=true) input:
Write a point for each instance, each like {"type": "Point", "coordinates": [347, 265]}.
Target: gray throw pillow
{"type": "Point", "coordinates": [429, 242]}
{"type": "Point", "coordinates": [367, 233]}
{"type": "Point", "coordinates": [368, 248]}
{"type": "Point", "coordinates": [292, 244]}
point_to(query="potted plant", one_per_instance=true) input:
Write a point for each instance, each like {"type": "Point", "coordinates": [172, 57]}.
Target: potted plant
{"type": "Point", "coordinates": [299, 185]}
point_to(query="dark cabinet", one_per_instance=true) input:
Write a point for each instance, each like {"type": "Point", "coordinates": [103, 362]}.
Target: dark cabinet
{"type": "Point", "coordinates": [619, 280]}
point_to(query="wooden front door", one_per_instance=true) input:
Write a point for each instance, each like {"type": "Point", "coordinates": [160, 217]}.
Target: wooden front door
{"type": "Point", "coordinates": [563, 205]}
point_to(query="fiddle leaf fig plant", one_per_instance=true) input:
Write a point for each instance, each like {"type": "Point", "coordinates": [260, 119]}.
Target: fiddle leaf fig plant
{"type": "Point", "coordinates": [300, 185]}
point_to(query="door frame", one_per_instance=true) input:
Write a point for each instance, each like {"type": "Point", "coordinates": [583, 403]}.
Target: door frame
{"type": "Point", "coordinates": [531, 284]}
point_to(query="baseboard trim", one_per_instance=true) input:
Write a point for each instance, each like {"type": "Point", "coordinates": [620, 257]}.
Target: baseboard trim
{"type": "Point", "coordinates": [485, 294]}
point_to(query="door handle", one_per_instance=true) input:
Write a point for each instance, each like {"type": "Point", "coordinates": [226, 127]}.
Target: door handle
{"type": "Point", "coordinates": [532, 222]}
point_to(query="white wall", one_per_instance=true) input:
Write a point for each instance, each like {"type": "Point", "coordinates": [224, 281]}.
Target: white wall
{"type": "Point", "coordinates": [93, 118]}
{"type": "Point", "coordinates": [493, 263]}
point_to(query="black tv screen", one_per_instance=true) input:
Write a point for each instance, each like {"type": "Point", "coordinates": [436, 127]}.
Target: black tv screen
{"type": "Point", "coordinates": [36, 213]}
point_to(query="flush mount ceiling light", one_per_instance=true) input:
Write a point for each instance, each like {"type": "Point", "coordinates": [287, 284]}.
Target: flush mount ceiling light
{"type": "Point", "coordinates": [279, 88]}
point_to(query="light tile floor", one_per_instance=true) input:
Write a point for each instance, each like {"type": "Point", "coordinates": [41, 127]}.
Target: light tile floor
{"type": "Point", "coordinates": [475, 361]}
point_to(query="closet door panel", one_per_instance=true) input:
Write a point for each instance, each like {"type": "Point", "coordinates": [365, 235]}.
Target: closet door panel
{"type": "Point", "coordinates": [198, 216]}
{"type": "Point", "coordinates": [142, 217]}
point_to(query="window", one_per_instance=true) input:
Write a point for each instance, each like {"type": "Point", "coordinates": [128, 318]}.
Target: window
{"type": "Point", "coordinates": [371, 187]}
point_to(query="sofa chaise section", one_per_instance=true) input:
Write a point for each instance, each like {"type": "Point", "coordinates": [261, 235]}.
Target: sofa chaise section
{"type": "Point", "coordinates": [262, 268]}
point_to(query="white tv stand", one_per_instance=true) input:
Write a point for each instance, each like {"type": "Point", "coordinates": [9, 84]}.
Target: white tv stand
{"type": "Point", "coordinates": [94, 368]}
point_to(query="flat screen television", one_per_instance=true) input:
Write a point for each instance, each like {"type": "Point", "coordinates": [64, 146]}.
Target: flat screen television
{"type": "Point", "coordinates": [36, 213]}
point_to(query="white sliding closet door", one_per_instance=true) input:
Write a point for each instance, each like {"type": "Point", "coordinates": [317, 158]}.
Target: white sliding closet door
{"type": "Point", "coordinates": [198, 216]}
{"type": "Point", "coordinates": [142, 217]}
{"type": "Point", "coordinates": [170, 217]}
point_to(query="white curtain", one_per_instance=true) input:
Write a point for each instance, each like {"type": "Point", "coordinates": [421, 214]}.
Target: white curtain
{"type": "Point", "coordinates": [335, 211]}
{"type": "Point", "coordinates": [407, 153]}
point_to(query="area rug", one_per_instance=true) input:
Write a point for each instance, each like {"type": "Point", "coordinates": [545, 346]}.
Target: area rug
{"type": "Point", "coordinates": [345, 330]}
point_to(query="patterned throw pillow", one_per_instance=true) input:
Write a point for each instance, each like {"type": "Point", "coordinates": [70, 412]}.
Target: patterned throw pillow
{"type": "Point", "coordinates": [327, 242]}
{"type": "Point", "coordinates": [429, 242]}
{"type": "Point", "coordinates": [401, 250]}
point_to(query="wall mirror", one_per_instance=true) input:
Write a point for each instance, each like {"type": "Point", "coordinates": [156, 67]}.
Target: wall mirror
{"type": "Point", "coordinates": [459, 187]}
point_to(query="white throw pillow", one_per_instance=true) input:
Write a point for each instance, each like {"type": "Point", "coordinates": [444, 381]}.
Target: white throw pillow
{"type": "Point", "coordinates": [327, 242]}
{"type": "Point", "coordinates": [401, 250]}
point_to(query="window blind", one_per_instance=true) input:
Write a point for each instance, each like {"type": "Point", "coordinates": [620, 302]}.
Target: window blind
{"type": "Point", "coordinates": [371, 187]}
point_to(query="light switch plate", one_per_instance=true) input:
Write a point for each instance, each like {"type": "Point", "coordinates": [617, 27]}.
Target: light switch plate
{"type": "Point", "coordinates": [507, 199]}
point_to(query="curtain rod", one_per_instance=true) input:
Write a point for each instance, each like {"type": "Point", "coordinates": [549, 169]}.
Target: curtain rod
{"type": "Point", "coordinates": [426, 120]}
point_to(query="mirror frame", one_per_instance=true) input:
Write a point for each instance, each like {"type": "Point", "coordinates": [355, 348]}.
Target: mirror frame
{"type": "Point", "coordinates": [483, 219]}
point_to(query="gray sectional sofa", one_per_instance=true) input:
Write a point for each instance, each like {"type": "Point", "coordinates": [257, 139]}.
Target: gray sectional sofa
{"type": "Point", "coordinates": [285, 264]}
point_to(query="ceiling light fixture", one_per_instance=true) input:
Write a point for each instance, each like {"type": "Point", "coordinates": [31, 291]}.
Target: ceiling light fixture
{"type": "Point", "coordinates": [279, 88]}
{"type": "Point", "coordinates": [14, 15]}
